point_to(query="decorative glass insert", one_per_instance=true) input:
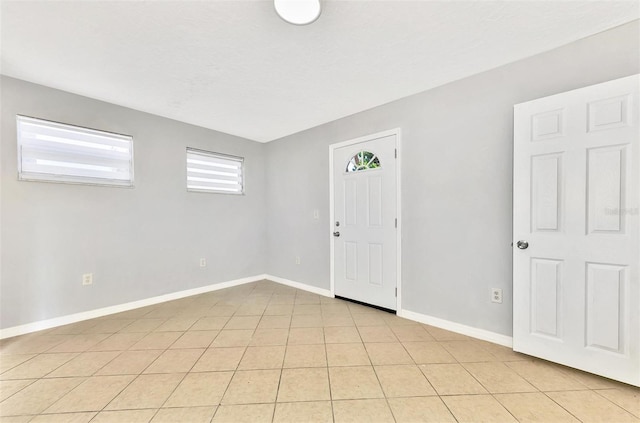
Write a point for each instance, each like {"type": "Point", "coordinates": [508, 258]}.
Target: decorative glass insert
{"type": "Point", "coordinates": [362, 161]}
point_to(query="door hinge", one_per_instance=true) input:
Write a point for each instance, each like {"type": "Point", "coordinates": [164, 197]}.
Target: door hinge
{"type": "Point", "coordinates": [396, 223]}
{"type": "Point", "coordinates": [396, 292]}
{"type": "Point", "coordinates": [395, 153]}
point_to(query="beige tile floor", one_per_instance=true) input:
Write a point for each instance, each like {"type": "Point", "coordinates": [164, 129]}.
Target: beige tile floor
{"type": "Point", "coordinates": [267, 352]}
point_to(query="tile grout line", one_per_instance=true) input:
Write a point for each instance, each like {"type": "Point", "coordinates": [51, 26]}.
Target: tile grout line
{"type": "Point", "coordinates": [136, 376]}
{"type": "Point", "coordinates": [233, 374]}
{"type": "Point", "coordinates": [594, 391]}
{"type": "Point", "coordinates": [145, 368]}
{"type": "Point", "coordinates": [86, 379]}
{"type": "Point", "coordinates": [597, 391]}
{"type": "Point", "coordinates": [268, 295]}
{"type": "Point", "coordinates": [563, 407]}
{"type": "Point", "coordinates": [491, 394]}
{"type": "Point", "coordinates": [181, 380]}
{"type": "Point", "coordinates": [326, 357]}
{"type": "Point", "coordinates": [470, 374]}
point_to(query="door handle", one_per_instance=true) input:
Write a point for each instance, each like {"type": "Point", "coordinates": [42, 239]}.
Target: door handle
{"type": "Point", "coordinates": [336, 234]}
{"type": "Point", "coordinates": [523, 245]}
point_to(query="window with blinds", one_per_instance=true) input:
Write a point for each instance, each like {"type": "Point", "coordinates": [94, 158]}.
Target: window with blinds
{"type": "Point", "coordinates": [55, 152]}
{"type": "Point", "coordinates": [212, 172]}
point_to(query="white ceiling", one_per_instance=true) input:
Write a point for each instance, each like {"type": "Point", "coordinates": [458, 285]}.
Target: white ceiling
{"type": "Point", "coordinates": [235, 67]}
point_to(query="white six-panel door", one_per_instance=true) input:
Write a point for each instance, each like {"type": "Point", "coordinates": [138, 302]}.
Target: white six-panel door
{"type": "Point", "coordinates": [364, 224]}
{"type": "Point", "coordinates": [576, 198]}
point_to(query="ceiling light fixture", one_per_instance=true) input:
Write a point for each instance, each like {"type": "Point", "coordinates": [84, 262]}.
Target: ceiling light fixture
{"type": "Point", "coordinates": [298, 12]}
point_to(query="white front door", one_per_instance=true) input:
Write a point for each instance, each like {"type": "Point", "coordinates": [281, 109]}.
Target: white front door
{"type": "Point", "coordinates": [576, 229]}
{"type": "Point", "coordinates": [364, 224]}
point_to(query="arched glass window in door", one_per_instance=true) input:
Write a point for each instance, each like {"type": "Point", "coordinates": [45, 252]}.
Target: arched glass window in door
{"type": "Point", "coordinates": [364, 160]}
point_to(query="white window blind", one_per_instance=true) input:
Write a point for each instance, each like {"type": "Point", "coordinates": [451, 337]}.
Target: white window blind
{"type": "Point", "coordinates": [55, 152]}
{"type": "Point", "coordinates": [211, 172]}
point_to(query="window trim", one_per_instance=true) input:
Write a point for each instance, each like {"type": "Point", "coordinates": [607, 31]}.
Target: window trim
{"type": "Point", "coordinates": [71, 179]}
{"type": "Point", "coordinates": [219, 156]}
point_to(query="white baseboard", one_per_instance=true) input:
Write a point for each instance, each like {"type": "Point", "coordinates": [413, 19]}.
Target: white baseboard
{"type": "Point", "coordinates": [485, 335]}
{"type": "Point", "coordinates": [299, 285]}
{"type": "Point", "coordinates": [91, 314]}
{"type": "Point", "coordinates": [477, 333]}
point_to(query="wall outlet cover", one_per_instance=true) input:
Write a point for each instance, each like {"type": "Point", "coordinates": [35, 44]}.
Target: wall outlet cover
{"type": "Point", "coordinates": [496, 295]}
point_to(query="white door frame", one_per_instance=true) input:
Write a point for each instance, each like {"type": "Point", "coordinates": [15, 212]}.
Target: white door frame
{"type": "Point", "coordinates": [332, 147]}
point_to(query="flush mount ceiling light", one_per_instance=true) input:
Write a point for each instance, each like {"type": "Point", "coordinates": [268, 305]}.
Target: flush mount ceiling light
{"type": "Point", "coordinates": [298, 12]}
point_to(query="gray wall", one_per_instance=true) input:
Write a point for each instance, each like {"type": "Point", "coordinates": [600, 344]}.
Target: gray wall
{"type": "Point", "coordinates": [456, 180]}
{"type": "Point", "coordinates": [138, 242]}
{"type": "Point", "coordinates": [146, 241]}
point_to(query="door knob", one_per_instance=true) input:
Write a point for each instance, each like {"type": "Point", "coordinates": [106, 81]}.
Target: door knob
{"type": "Point", "coordinates": [336, 234]}
{"type": "Point", "coordinates": [523, 245]}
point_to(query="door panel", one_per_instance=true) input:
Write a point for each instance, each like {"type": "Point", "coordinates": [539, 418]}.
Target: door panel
{"type": "Point", "coordinates": [375, 260]}
{"type": "Point", "coordinates": [547, 178]}
{"type": "Point", "coordinates": [605, 317]}
{"type": "Point", "coordinates": [350, 261]}
{"type": "Point", "coordinates": [350, 202]}
{"type": "Point", "coordinates": [547, 125]}
{"type": "Point", "coordinates": [610, 113]}
{"type": "Point", "coordinates": [576, 203]}
{"type": "Point", "coordinates": [365, 212]}
{"type": "Point", "coordinates": [605, 189]}
{"type": "Point", "coordinates": [546, 286]}
{"type": "Point", "coordinates": [374, 198]}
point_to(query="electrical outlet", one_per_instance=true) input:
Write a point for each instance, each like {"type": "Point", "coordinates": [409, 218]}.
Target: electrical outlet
{"type": "Point", "coordinates": [297, 260]}
{"type": "Point", "coordinates": [496, 295]}
{"type": "Point", "coordinates": [87, 279]}
{"type": "Point", "coordinates": [203, 262]}
{"type": "Point", "coordinates": [316, 214]}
